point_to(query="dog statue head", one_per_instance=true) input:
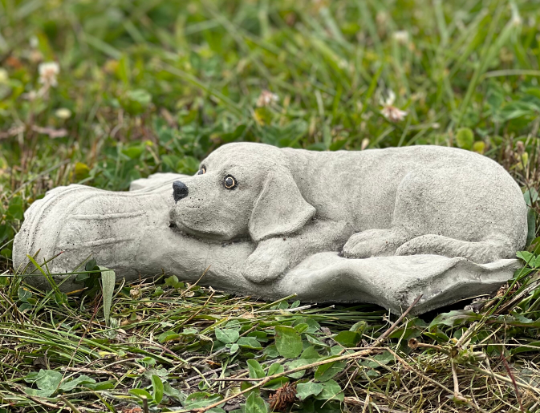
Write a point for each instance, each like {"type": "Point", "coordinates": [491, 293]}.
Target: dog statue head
{"type": "Point", "coordinates": [241, 190]}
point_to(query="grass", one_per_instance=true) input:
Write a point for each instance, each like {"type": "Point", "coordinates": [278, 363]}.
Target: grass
{"type": "Point", "coordinates": [155, 86]}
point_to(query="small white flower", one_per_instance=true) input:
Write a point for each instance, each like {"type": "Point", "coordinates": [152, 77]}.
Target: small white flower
{"type": "Point", "coordinates": [34, 42]}
{"type": "Point", "coordinates": [3, 75]}
{"type": "Point", "coordinates": [389, 111]}
{"type": "Point", "coordinates": [401, 36]}
{"type": "Point", "coordinates": [63, 113]}
{"type": "Point", "coordinates": [390, 98]}
{"type": "Point", "coordinates": [393, 114]}
{"type": "Point", "coordinates": [267, 98]}
{"type": "Point", "coordinates": [48, 72]}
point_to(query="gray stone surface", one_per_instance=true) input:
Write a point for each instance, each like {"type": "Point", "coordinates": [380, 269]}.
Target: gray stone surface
{"type": "Point", "coordinates": [270, 222]}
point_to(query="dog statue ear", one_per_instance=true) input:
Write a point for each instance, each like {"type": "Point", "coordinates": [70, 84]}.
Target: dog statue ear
{"type": "Point", "coordinates": [280, 208]}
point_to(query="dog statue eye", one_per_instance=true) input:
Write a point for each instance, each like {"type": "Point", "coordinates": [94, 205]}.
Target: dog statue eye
{"type": "Point", "coordinates": [229, 182]}
{"type": "Point", "coordinates": [202, 170]}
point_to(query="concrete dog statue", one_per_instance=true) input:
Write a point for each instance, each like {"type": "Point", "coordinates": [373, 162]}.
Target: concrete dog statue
{"type": "Point", "coordinates": [256, 210]}
{"type": "Point", "coordinates": [293, 203]}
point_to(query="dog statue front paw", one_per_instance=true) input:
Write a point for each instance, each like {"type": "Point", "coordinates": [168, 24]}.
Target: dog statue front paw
{"type": "Point", "coordinates": [373, 243]}
{"type": "Point", "coordinates": [262, 269]}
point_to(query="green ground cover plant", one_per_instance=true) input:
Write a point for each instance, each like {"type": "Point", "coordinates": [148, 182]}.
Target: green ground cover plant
{"type": "Point", "coordinates": [104, 92]}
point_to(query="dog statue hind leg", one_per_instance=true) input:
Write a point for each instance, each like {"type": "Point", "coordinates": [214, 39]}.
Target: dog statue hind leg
{"type": "Point", "coordinates": [451, 212]}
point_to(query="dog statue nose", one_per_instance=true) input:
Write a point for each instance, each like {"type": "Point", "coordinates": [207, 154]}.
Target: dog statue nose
{"type": "Point", "coordinates": [180, 190]}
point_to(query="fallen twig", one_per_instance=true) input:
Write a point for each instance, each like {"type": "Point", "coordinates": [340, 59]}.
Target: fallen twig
{"type": "Point", "coordinates": [51, 132]}
{"type": "Point", "coordinates": [12, 132]}
{"type": "Point", "coordinates": [236, 379]}
{"type": "Point", "coordinates": [202, 307]}
{"type": "Point", "coordinates": [39, 400]}
{"type": "Point", "coordinates": [507, 367]}
{"type": "Point", "coordinates": [88, 371]}
{"type": "Point", "coordinates": [457, 393]}
{"type": "Point", "coordinates": [195, 283]}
